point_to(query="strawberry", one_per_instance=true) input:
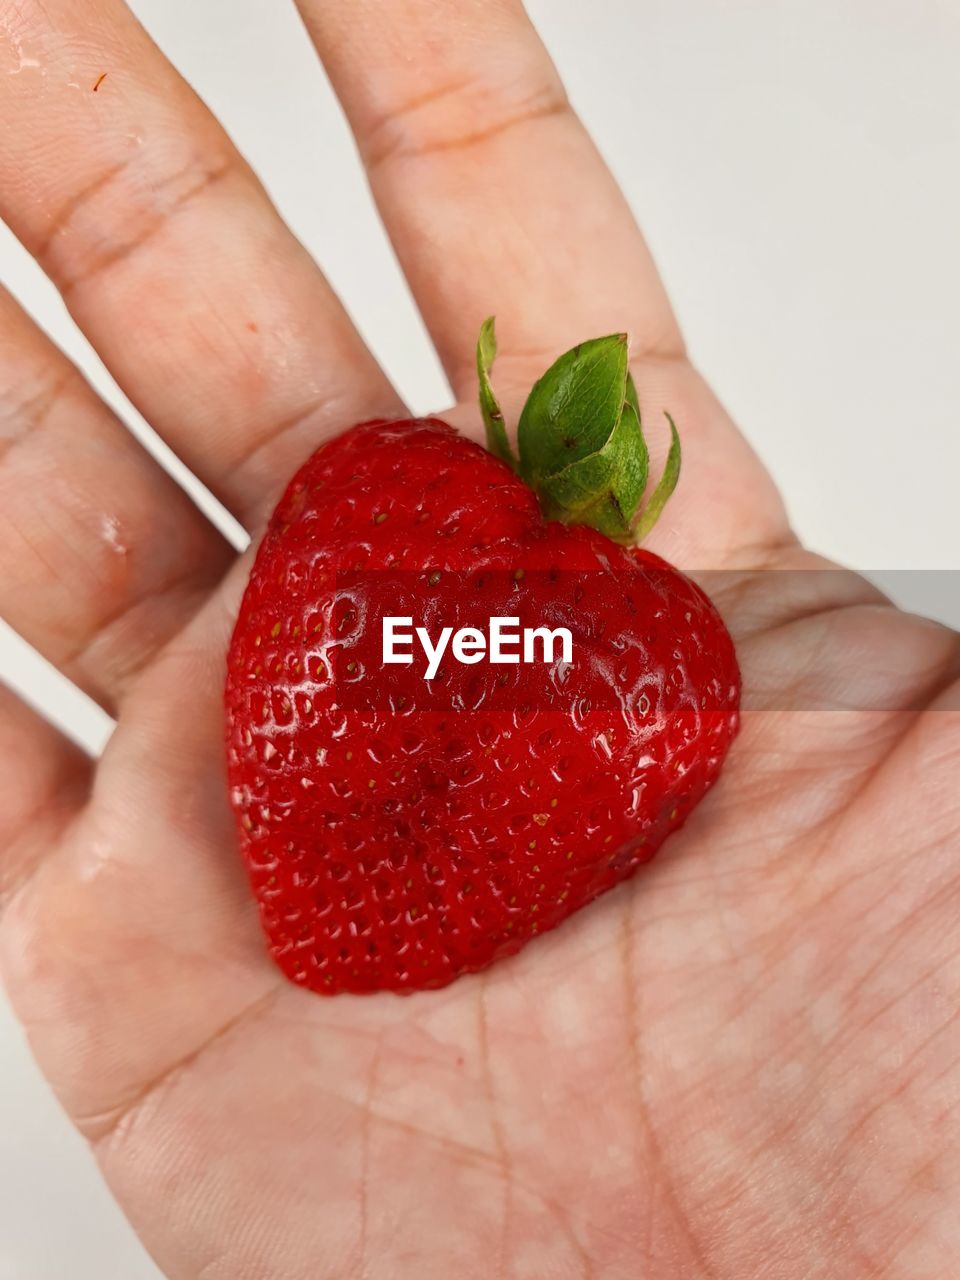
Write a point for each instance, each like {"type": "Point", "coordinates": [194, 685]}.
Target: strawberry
{"type": "Point", "coordinates": [400, 831]}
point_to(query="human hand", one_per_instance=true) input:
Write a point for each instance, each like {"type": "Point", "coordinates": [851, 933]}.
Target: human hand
{"type": "Point", "coordinates": [692, 1078]}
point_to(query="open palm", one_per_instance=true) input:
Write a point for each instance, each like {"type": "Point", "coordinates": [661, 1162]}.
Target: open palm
{"type": "Point", "coordinates": [741, 1064]}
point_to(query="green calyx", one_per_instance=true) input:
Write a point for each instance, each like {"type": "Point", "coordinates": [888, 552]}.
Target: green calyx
{"type": "Point", "coordinates": [580, 440]}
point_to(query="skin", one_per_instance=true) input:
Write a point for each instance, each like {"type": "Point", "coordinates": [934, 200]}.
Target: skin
{"type": "Point", "coordinates": [743, 1064]}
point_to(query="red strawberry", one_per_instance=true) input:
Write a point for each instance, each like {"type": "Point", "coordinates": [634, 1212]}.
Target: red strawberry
{"type": "Point", "coordinates": [400, 832]}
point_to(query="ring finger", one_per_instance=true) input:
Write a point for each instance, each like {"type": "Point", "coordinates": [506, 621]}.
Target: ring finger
{"type": "Point", "coordinates": [102, 555]}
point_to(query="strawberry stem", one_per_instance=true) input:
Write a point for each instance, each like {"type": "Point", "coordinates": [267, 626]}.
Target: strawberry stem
{"type": "Point", "coordinates": [580, 439]}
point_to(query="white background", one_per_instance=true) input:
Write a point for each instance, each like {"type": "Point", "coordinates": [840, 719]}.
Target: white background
{"type": "Point", "coordinates": [795, 165]}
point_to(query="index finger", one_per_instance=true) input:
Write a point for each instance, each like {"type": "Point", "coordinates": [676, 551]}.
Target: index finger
{"type": "Point", "coordinates": [491, 189]}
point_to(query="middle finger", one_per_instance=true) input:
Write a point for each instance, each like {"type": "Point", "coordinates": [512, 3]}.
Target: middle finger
{"type": "Point", "coordinates": [207, 310]}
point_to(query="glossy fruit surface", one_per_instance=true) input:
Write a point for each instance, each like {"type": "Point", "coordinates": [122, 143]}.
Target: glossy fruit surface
{"type": "Point", "coordinates": [399, 832]}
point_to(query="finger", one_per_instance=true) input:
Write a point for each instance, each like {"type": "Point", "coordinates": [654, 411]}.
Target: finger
{"type": "Point", "coordinates": [498, 202]}
{"type": "Point", "coordinates": [493, 193]}
{"type": "Point", "coordinates": [102, 555]}
{"type": "Point", "coordinates": [205, 308]}
{"type": "Point", "coordinates": [43, 782]}
{"type": "Point", "coordinates": [725, 513]}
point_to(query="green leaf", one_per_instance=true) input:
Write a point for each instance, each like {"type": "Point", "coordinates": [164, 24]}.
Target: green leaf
{"type": "Point", "coordinates": [574, 408]}
{"type": "Point", "coordinates": [496, 432]}
{"type": "Point", "coordinates": [580, 439]}
{"type": "Point", "coordinates": [632, 397]}
{"type": "Point", "coordinates": [604, 489]}
{"type": "Point", "coordinates": [665, 487]}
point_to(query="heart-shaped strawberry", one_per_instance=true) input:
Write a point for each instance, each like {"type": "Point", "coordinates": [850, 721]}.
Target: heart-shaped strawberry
{"type": "Point", "coordinates": [404, 822]}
